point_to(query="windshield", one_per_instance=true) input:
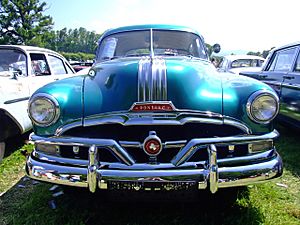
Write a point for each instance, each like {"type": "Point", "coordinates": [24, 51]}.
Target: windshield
{"type": "Point", "coordinates": [12, 62]}
{"type": "Point", "coordinates": [140, 43]}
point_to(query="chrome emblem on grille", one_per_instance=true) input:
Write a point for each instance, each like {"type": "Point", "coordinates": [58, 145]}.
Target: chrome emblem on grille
{"type": "Point", "coordinates": [152, 144]}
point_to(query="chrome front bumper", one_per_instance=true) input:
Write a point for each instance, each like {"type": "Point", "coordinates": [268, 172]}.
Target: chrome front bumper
{"type": "Point", "coordinates": [213, 173]}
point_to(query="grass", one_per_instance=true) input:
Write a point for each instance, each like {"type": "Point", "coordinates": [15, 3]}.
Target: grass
{"type": "Point", "coordinates": [276, 202]}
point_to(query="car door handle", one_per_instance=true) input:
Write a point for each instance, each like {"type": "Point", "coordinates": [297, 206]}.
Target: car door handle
{"type": "Point", "coordinates": [288, 77]}
{"type": "Point", "coordinates": [262, 76]}
{"type": "Point", "coordinates": [56, 79]}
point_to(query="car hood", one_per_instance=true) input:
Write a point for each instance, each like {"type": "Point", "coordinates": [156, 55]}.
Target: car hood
{"type": "Point", "coordinates": [187, 83]}
{"type": "Point", "coordinates": [191, 86]}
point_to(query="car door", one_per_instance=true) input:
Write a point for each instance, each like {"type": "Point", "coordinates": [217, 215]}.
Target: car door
{"type": "Point", "coordinates": [279, 66]}
{"type": "Point", "coordinates": [47, 68]}
{"type": "Point", "coordinates": [13, 75]}
{"type": "Point", "coordinates": [290, 93]}
{"type": "Point", "coordinates": [60, 69]}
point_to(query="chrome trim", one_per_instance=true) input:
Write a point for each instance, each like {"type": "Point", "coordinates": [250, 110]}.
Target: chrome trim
{"type": "Point", "coordinates": [177, 117]}
{"type": "Point", "coordinates": [92, 169]}
{"type": "Point", "coordinates": [240, 125]}
{"type": "Point", "coordinates": [290, 85]}
{"type": "Point", "coordinates": [143, 76]}
{"type": "Point", "coordinates": [228, 176]}
{"type": "Point", "coordinates": [121, 154]}
{"type": "Point", "coordinates": [134, 144]}
{"type": "Point", "coordinates": [159, 76]}
{"type": "Point", "coordinates": [68, 126]}
{"type": "Point", "coordinates": [213, 168]}
{"type": "Point", "coordinates": [50, 99]}
{"type": "Point", "coordinates": [151, 44]}
{"type": "Point", "coordinates": [182, 156]}
{"type": "Point", "coordinates": [256, 95]}
{"type": "Point", "coordinates": [175, 144]}
{"type": "Point", "coordinates": [152, 79]}
{"type": "Point", "coordinates": [143, 166]}
{"type": "Point", "coordinates": [16, 100]}
{"type": "Point", "coordinates": [250, 174]}
{"type": "Point", "coordinates": [192, 146]}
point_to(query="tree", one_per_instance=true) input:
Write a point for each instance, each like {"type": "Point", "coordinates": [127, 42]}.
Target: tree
{"type": "Point", "coordinates": [76, 40]}
{"type": "Point", "coordinates": [23, 22]}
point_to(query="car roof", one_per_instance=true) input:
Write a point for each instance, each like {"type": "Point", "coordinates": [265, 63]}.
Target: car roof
{"type": "Point", "coordinates": [235, 57]}
{"type": "Point", "coordinates": [27, 48]}
{"type": "Point", "coordinates": [150, 26]}
{"type": "Point", "coordinates": [287, 46]}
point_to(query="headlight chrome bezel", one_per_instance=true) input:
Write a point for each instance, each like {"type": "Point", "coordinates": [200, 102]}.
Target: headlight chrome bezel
{"type": "Point", "coordinates": [254, 97]}
{"type": "Point", "coordinates": [51, 100]}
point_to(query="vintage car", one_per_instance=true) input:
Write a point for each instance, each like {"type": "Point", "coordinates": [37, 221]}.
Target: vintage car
{"type": "Point", "coordinates": [282, 72]}
{"type": "Point", "coordinates": [23, 69]}
{"type": "Point", "coordinates": [77, 66]}
{"type": "Point", "coordinates": [239, 63]}
{"type": "Point", "coordinates": [153, 114]}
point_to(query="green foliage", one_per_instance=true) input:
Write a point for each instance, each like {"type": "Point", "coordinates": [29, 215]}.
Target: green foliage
{"type": "Point", "coordinates": [78, 56]}
{"type": "Point", "coordinates": [263, 54]}
{"type": "Point", "coordinates": [77, 40]}
{"type": "Point", "coordinates": [23, 22]}
{"type": "Point", "coordinates": [276, 202]}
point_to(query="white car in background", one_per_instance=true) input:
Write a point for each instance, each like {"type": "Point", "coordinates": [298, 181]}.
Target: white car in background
{"type": "Point", "coordinates": [23, 69]}
{"type": "Point", "coordinates": [240, 63]}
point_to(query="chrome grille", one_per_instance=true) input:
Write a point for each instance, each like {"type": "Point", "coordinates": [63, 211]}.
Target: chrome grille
{"type": "Point", "coordinates": [173, 137]}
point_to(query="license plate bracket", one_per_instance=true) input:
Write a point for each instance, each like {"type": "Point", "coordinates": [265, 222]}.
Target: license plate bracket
{"type": "Point", "coordinates": [151, 185]}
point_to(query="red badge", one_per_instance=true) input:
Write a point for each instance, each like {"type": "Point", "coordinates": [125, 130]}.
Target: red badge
{"type": "Point", "coordinates": [150, 107]}
{"type": "Point", "coordinates": [152, 144]}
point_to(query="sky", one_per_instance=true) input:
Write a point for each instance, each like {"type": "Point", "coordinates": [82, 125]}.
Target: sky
{"type": "Point", "coordinates": [237, 25]}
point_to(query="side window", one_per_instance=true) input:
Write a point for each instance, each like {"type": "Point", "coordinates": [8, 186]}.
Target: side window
{"type": "Point", "coordinates": [297, 66]}
{"type": "Point", "coordinates": [283, 60]}
{"type": "Point", "coordinates": [39, 64]}
{"type": "Point", "coordinates": [69, 70]}
{"type": "Point", "coordinates": [57, 65]}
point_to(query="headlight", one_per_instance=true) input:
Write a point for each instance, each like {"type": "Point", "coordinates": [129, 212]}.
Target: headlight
{"type": "Point", "coordinates": [263, 106]}
{"type": "Point", "coordinates": [43, 110]}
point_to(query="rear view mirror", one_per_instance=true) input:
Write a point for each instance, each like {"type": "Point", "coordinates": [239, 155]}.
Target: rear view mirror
{"type": "Point", "coordinates": [216, 48]}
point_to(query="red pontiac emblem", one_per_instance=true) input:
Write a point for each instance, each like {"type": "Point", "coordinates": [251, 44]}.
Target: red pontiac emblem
{"type": "Point", "coordinates": [148, 107]}
{"type": "Point", "coordinates": [152, 144]}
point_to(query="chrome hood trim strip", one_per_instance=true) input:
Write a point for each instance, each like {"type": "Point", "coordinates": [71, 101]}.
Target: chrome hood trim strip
{"type": "Point", "coordinates": [152, 79]}
{"type": "Point", "coordinates": [167, 118]}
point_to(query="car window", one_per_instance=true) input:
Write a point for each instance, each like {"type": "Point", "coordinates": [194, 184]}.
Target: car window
{"type": "Point", "coordinates": [246, 63]}
{"type": "Point", "coordinates": [283, 60]}
{"type": "Point", "coordinates": [138, 43]}
{"type": "Point", "coordinates": [12, 62]}
{"type": "Point", "coordinates": [69, 70]}
{"type": "Point", "coordinates": [57, 65]}
{"type": "Point", "coordinates": [39, 64]}
{"type": "Point", "coordinates": [297, 65]}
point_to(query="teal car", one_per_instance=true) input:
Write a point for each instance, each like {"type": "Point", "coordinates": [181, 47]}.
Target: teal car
{"type": "Point", "coordinates": [153, 114]}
